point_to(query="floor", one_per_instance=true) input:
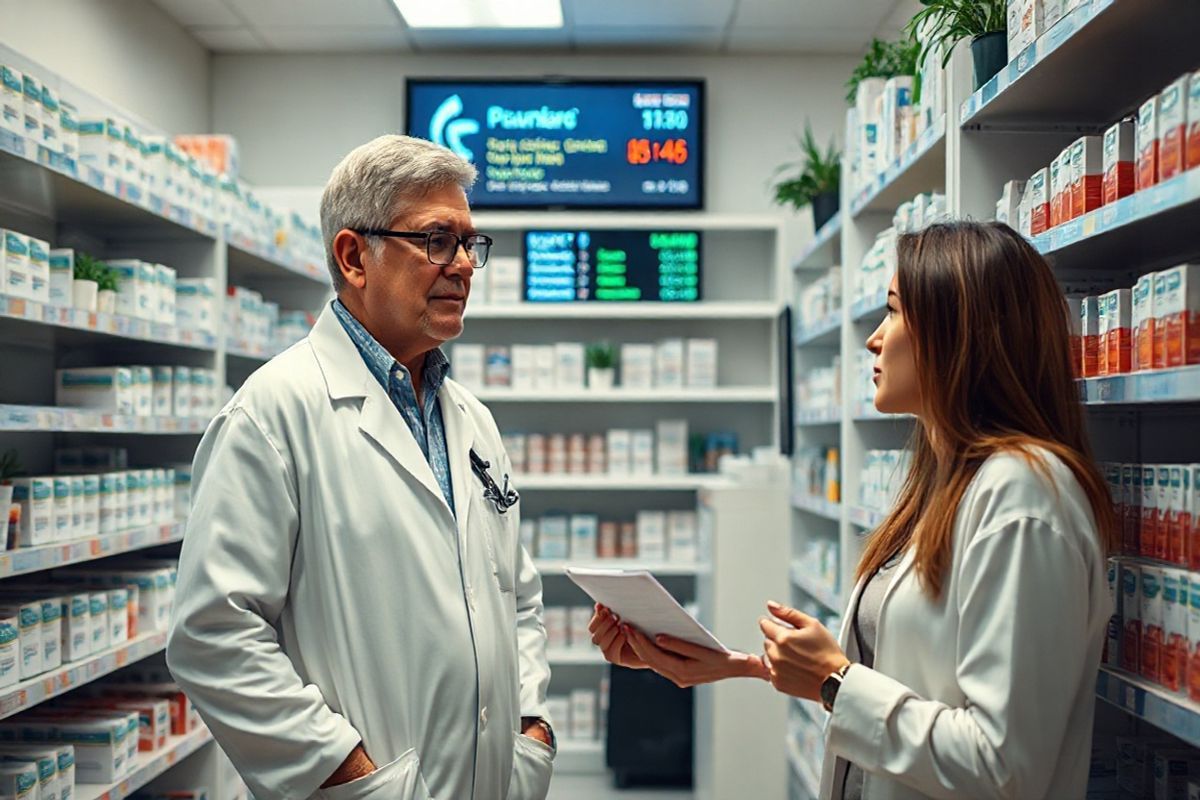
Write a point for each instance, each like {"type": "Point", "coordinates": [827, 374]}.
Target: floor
{"type": "Point", "coordinates": [599, 787]}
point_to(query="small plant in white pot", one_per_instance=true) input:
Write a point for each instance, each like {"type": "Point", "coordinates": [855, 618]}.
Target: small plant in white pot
{"type": "Point", "coordinates": [601, 364]}
{"type": "Point", "coordinates": [106, 298]}
{"type": "Point", "coordinates": [10, 467]}
{"type": "Point", "coordinates": [85, 288]}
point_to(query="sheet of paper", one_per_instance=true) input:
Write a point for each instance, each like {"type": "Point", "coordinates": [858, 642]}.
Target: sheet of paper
{"type": "Point", "coordinates": [640, 600]}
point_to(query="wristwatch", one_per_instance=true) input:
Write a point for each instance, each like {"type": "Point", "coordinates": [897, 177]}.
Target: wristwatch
{"type": "Point", "coordinates": [541, 723]}
{"type": "Point", "coordinates": [829, 689]}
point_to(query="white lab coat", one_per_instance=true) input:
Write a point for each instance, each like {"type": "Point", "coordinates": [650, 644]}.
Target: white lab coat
{"type": "Point", "coordinates": [988, 692]}
{"type": "Point", "coordinates": [321, 597]}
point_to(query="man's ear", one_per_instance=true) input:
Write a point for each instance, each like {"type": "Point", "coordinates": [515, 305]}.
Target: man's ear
{"type": "Point", "coordinates": [350, 249]}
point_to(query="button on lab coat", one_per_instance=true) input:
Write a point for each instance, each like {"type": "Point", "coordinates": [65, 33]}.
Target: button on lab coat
{"type": "Point", "coordinates": [327, 594]}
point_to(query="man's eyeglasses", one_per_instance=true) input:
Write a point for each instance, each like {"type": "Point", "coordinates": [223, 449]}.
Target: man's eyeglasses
{"type": "Point", "coordinates": [442, 246]}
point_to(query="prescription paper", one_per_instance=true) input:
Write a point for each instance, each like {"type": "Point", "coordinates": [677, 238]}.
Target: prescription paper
{"type": "Point", "coordinates": [640, 600]}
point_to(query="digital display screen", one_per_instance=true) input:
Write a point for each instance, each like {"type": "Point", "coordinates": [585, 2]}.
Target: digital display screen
{"type": "Point", "coordinates": [612, 266]}
{"type": "Point", "coordinates": [569, 144]}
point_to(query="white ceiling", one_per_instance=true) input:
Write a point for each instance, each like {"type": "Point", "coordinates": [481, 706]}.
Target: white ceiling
{"type": "Point", "coordinates": [648, 26]}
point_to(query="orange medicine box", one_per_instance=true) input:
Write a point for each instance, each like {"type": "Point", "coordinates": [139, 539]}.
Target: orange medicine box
{"type": "Point", "coordinates": [1172, 128]}
{"type": "Point", "coordinates": [1131, 615]}
{"type": "Point", "coordinates": [1056, 189]}
{"type": "Point", "coordinates": [1193, 677]}
{"type": "Point", "coordinates": [1089, 319]}
{"type": "Point", "coordinates": [1170, 516]}
{"type": "Point", "coordinates": [1119, 162]}
{"type": "Point", "coordinates": [1143, 322]}
{"type": "Point", "coordinates": [1173, 666]}
{"type": "Point", "coordinates": [1086, 175]}
{"type": "Point", "coordinates": [1131, 508]}
{"type": "Point", "coordinates": [1190, 516]}
{"type": "Point", "coordinates": [1153, 620]}
{"type": "Point", "coordinates": [1112, 640]}
{"type": "Point", "coordinates": [1116, 332]}
{"type": "Point", "coordinates": [1148, 532]}
{"type": "Point", "coordinates": [1074, 319]}
{"type": "Point", "coordinates": [1039, 201]}
{"type": "Point", "coordinates": [1192, 147]}
{"type": "Point", "coordinates": [1177, 312]}
{"type": "Point", "coordinates": [1147, 143]}
{"type": "Point", "coordinates": [1162, 496]}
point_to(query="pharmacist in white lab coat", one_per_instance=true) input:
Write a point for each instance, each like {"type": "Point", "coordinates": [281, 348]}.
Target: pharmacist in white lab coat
{"type": "Point", "coordinates": [966, 666]}
{"type": "Point", "coordinates": [356, 616]}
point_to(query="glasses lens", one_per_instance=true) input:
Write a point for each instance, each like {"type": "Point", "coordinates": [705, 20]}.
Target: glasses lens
{"type": "Point", "coordinates": [478, 246]}
{"type": "Point", "coordinates": [442, 248]}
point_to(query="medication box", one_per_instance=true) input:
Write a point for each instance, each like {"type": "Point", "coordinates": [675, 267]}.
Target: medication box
{"type": "Point", "coordinates": [1144, 322]}
{"type": "Point", "coordinates": [1147, 141]}
{"type": "Point", "coordinates": [1038, 201]}
{"type": "Point", "coordinates": [1192, 154]}
{"type": "Point", "coordinates": [1119, 160]}
{"type": "Point", "coordinates": [1177, 308]}
{"type": "Point", "coordinates": [1153, 620]}
{"type": "Point", "coordinates": [107, 389]}
{"type": "Point", "coordinates": [1131, 605]}
{"type": "Point", "coordinates": [1174, 646]}
{"type": "Point", "coordinates": [1086, 176]}
{"type": "Point", "coordinates": [1090, 325]}
{"type": "Point", "coordinates": [1172, 122]}
{"type": "Point", "coordinates": [1116, 332]}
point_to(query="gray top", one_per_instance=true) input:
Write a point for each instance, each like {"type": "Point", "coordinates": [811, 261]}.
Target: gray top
{"type": "Point", "coordinates": [866, 617]}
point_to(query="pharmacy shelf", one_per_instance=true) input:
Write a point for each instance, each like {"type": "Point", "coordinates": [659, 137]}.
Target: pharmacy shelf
{"type": "Point", "coordinates": [147, 767]}
{"type": "Point", "coordinates": [550, 566]}
{"type": "Point", "coordinates": [825, 333]}
{"type": "Point", "coordinates": [865, 517]}
{"type": "Point", "coordinates": [33, 691]}
{"type": "Point", "coordinates": [20, 312]}
{"type": "Point", "coordinates": [816, 588]}
{"type": "Point", "coordinates": [803, 769]}
{"type": "Point", "coordinates": [247, 258]}
{"type": "Point", "coordinates": [618, 483]}
{"type": "Point", "coordinates": [1089, 69]}
{"type": "Point", "coordinates": [81, 420]}
{"type": "Point", "coordinates": [1179, 385]}
{"type": "Point", "coordinates": [579, 756]}
{"type": "Point", "coordinates": [574, 656]}
{"type": "Point", "coordinates": [720, 394]}
{"type": "Point", "coordinates": [1149, 702]}
{"type": "Point", "coordinates": [812, 417]}
{"type": "Point", "coordinates": [53, 187]}
{"type": "Point", "coordinates": [25, 560]}
{"type": "Point", "coordinates": [869, 307]}
{"type": "Point", "coordinates": [817, 505]}
{"type": "Point", "coordinates": [490, 221]}
{"type": "Point", "coordinates": [621, 311]}
{"type": "Point", "coordinates": [921, 168]}
{"type": "Point", "coordinates": [819, 252]}
{"type": "Point", "coordinates": [1151, 226]}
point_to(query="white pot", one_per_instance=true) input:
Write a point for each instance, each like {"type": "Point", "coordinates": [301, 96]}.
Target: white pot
{"type": "Point", "coordinates": [83, 294]}
{"type": "Point", "coordinates": [601, 378]}
{"type": "Point", "coordinates": [106, 301]}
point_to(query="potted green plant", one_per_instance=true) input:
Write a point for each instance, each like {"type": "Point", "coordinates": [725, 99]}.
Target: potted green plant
{"type": "Point", "coordinates": [884, 60]}
{"type": "Point", "coordinates": [106, 298]}
{"type": "Point", "coordinates": [10, 467]}
{"type": "Point", "coordinates": [601, 365]}
{"type": "Point", "coordinates": [816, 183]}
{"type": "Point", "coordinates": [944, 23]}
{"type": "Point", "coordinates": [85, 287]}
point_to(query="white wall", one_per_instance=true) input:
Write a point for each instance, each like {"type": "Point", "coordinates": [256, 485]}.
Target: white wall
{"type": "Point", "coordinates": [126, 51]}
{"type": "Point", "coordinates": [296, 116]}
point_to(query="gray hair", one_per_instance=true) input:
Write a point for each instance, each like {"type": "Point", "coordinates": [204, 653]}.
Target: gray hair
{"type": "Point", "coordinates": [380, 179]}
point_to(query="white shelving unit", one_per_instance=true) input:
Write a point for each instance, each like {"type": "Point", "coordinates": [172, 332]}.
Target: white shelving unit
{"type": "Point", "coordinates": [1091, 69]}
{"type": "Point", "coordinates": [742, 305]}
{"type": "Point", "coordinates": [73, 205]}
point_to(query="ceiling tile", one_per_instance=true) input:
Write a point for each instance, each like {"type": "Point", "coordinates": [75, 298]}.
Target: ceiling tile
{"type": "Point", "coordinates": [594, 36]}
{"type": "Point", "coordinates": [825, 41]}
{"type": "Point", "coordinates": [640, 14]}
{"type": "Point", "coordinates": [426, 39]}
{"type": "Point", "coordinates": [812, 14]}
{"type": "Point", "coordinates": [311, 13]}
{"type": "Point", "coordinates": [228, 40]}
{"type": "Point", "coordinates": [189, 13]}
{"type": "Point", "coordinates": [332, 39]}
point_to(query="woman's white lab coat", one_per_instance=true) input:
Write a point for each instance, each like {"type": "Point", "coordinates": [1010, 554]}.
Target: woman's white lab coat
{"type": "Point", "coordinates": [322, 599]}
{"type": "Point", "coordinates": [988, 692]}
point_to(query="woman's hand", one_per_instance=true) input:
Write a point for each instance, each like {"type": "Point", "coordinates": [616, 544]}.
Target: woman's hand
{"type": "Point", "coordinates": [686, 664]}
{"type": "Point", "coordinates": [800, 654]}
{"type": "Point", "coordinates": [605, 628]}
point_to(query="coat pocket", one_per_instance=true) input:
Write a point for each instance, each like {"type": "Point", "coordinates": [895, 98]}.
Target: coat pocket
{"type": "Point", "coordinates": [499, 537]}
{"type": "Point", "coordinates": [397, 780]}
{"type": "Point", "coordinates": [533, 765]}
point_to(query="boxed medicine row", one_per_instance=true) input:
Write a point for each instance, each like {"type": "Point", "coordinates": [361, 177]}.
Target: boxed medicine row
{"type": "Point", "coordinates": [882, 476]}
{"type": "Point", "coordinates": [667, 450]}
{"type": "Point", "coordinates": [141, 391]}
{"type": "Point", "coordinates": [658, 536]}
{"type": "Point", "coordinates": [580, 716]}
{"type": "Point", "coordinates": [820, 300]}
{"type": "Point", "coordinates": [255, 325]}
{"type": "Point", "coordinates": [816, 474]}
{"type": "Point", "coordinates": [820, 388]}
{"type": "Point", "coordinates": [1158, 507]}
{"type": "Point", "coordinates": [669, 364]}
{"type": "Point", "coordinates": [879, 263]}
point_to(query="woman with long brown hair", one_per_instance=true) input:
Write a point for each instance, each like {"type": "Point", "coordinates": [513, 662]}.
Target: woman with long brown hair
{"type": "Point", "coordinates": [967, 660]}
